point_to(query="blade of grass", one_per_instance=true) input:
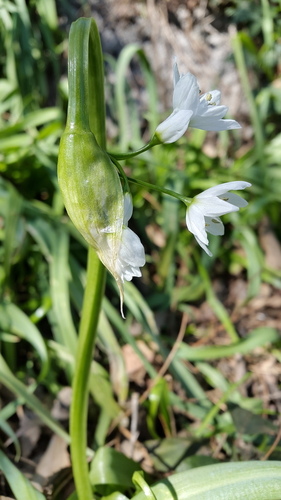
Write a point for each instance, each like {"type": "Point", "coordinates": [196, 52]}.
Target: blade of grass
{"type": "Point", "coordinates": [18, 388]}
{"type": "Point", "coordinates": [243, 72]}
{"type": "Point", "coordinates": [143, 313]}
{"type": "Point", "coordinates": [216, 304]}
{"type": "Point", "coordinates": [59, 288]}
{"type": "Point", "coordinates": [122, 66]}
{"type": "Point", "coordinates": [107, 340]}
{"type": "Point", "coordinates": [19, 484]}
{"type": "Point", "coordinates": [256, 338]}
{"type": "Point", "coordinates": [18, 323]}
{"type": "Point", "coordinates": [248, 480]}
{"type": "Point", "coordinates": [203, 427]}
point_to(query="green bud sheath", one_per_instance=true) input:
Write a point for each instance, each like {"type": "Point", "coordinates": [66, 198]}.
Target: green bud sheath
{"type": "Point", "coordinates": [88, 180]}
{"type": "Point", "coordinates": [92, 192]}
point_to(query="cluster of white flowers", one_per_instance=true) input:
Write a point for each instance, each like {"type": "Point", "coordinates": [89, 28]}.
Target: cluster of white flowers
{"type": "Point", "coordinates": [118, 247]}
{"type": "Point", "coordinates": [203, 212]}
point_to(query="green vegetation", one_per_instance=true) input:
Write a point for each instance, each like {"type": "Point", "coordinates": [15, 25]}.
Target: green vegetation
{"type": "Point", "coordinates": [214, 399]}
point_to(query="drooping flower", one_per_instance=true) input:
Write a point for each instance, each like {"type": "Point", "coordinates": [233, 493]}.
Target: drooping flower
{"type": "Point", "coordinates": [130, 256]}
{"type": "Point", "coordinates": [122, 253]}
{"type": "Point", "coordinates": [203, 213]}
{"type": "Point", "coordinates": [190, 109]}
{"type": "Point", "coordinates": [131, 253]}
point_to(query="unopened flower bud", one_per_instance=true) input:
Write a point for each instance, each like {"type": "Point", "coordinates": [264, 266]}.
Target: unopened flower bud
{"type": "Point", "coordinates": [95, 203]}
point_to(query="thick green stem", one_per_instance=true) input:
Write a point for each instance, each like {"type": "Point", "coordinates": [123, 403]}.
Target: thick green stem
{"type": "Point", "coordinates": [86, 109]}
{"type": "Point", "coordinates": [79, 407]}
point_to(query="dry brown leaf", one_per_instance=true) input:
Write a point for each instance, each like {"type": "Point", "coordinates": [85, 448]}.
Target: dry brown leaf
{"type": "Point", "coordinates": [61, 405]}
{"type": "Point", "coordinates": [29, 431]}
{"type": "Point", "coordinates": [55, 458]}
{"type": "Point", "coordinates": [134, 365]}
{"type": "Point", "coordinates": [270, 245]}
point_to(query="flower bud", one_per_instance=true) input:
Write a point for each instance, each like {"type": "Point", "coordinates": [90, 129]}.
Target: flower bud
{"type": "Point", "coordinates": [95, 203]}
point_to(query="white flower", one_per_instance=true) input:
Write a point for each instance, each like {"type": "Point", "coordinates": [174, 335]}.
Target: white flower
{"type": "Point", "coordinates": [131, 253]}
{"type": "Point", "coordinates": [191, 109]}
{"type": "Point", "coordinates": [120, 249]}
{"type": "Point", "coordinates": [203, 213]}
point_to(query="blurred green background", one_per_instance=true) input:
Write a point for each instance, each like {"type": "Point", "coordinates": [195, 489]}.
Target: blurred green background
{"type": "Point", "coordinates": [218, 398]}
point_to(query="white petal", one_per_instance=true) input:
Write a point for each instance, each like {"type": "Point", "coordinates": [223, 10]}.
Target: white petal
{"type": "Point", "coordinates": [128, 208]}
{"type": "Point", "coordinates": [211, 111]}
{"type": "Point", "coordinates": [213, 124]}
{"type": "Point", "coordinates": [213, 206]}
{"type": "Point", "coordinates": [186, 93]}
{"type": "Point", "coordinates": [131, 251]}
{"type": "Point", "coordinates": [223, 188]}
{"type": "Point", "coordinates": [234, 199]}
{"type": "Point", "coordinates": [195, 222]}
{"type": "Point", "coordinates": [202, 245]}
{"type": "Point", "coordinates": [171, 129]}
{"type": "Point", "coordinates": [176, 75]}
{"type": "Point", "coordinates": [214, 226]}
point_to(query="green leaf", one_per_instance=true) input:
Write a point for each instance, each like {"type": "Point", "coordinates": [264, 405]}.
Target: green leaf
{"type": "Point", "coordinates": [167, 453]}
{"type": "Point", "coordinates": [158, 401]}
{"type": "Point", "coordinates": [99, 384]}
{"type": "Point", "coordinates": [108, 341]}
{"type": "Point", "coordinates": [258, 337]}
{"type": "Point", "coordinates": [227, 481]}
{"type": "Point", "coordinates": [247, 422]}
{"type": "Point", "coordinates": [15, 321]}
{"type": "Point", "coordinates": [20, 486]}
{"type": "Point", "coordinates": [216, 305]}
{"type": "Point", "coordinates": [8, 379]}
{"type": "Point", "coordinates": [254, 255]}
{"type": "Point", "coordinates": [59, 278]}
{"type": "Point", "coordinates": [110, 468]}
{"type": "Point", "coordinates": [124, 111]}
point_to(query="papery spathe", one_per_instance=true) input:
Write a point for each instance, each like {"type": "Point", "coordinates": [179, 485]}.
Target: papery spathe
{"type": "Point", "coordinates": [122, 253]}
{"type": "Point", "coordinates": [94, 199]}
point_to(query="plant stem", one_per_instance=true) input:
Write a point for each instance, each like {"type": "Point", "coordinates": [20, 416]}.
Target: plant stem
{"type": "Point", "coordinates": [87, 335]}
{"type": "Point", "coordinates": [86, 95]}
{"type": "Point", "coordinates": [124, 156]}
{"type": "Point", "coordinates": [169, 192]}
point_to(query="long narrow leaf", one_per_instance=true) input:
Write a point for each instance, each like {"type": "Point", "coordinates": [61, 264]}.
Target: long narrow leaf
{"type": "Point", "coordinates": [8, 379]}
{"type": "Point", "coordinates": [19, 484]}
{"type": "Point", "coordinates": [18, 323]}
{"type": "Point", "coordinates": [228, 481]}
